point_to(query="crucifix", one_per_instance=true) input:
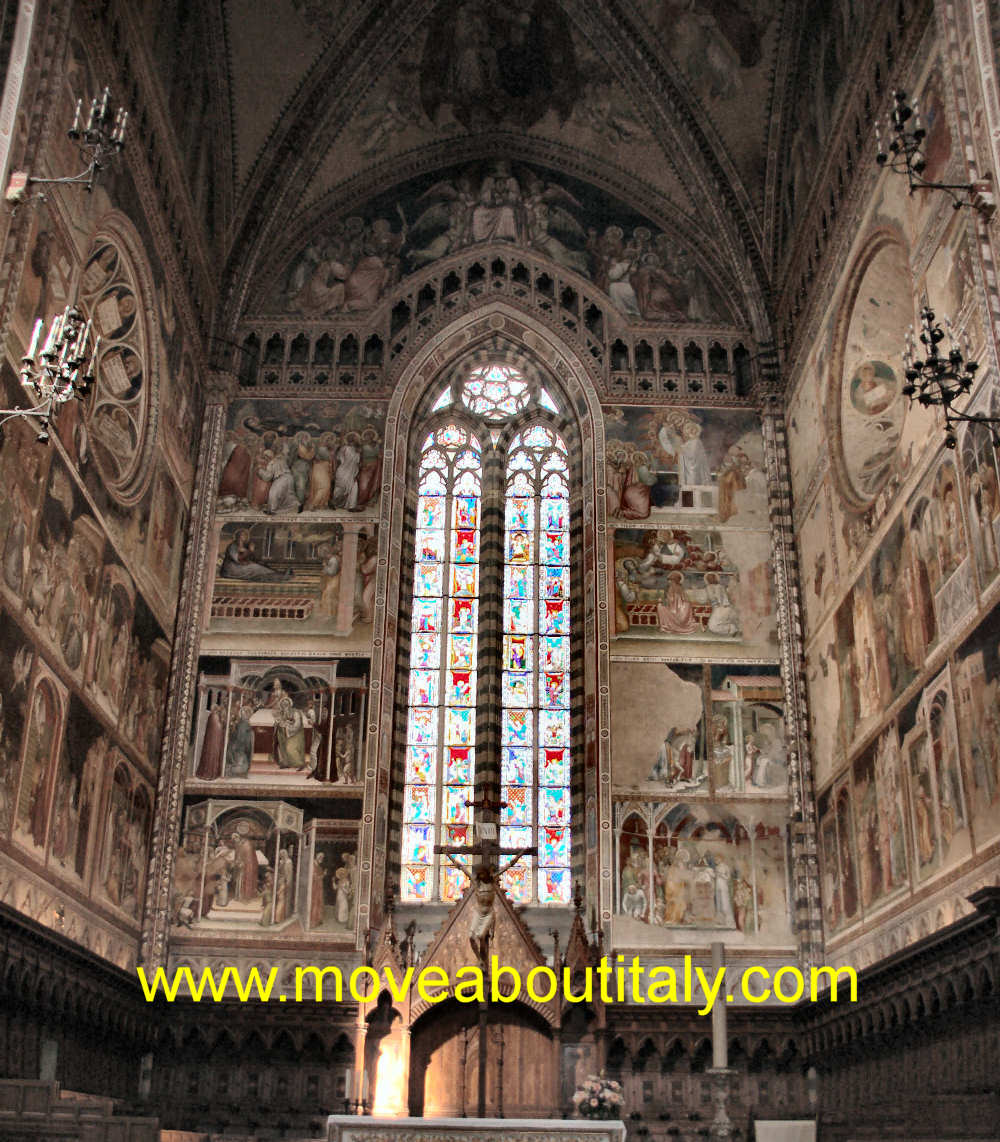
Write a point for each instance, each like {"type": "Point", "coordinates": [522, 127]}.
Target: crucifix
{"type": "Point", "coordinates": [485, 876]}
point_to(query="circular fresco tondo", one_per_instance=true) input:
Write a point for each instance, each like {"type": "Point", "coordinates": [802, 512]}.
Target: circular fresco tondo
{"type": "Point", "coordinates": [871, 424]}
{"type": "Point", "coordinates": [120, 408]}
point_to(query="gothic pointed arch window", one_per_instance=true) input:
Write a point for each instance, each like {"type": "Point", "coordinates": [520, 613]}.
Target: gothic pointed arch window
{"type": "Point", "coordinates": [489, 675]}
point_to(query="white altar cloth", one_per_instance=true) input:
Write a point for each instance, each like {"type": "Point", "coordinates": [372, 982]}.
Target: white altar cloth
{"type": "Point", "coordinates": [348, 1128]}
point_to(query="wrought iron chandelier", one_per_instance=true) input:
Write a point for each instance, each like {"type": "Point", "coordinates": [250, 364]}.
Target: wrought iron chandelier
{"type": "Point", "coordinates": [56, 371]}
{"type": "Point", "coordinates": [904, 154]}
{"type": "Point", "coordinates": [935, 376]}
{"type": "Point", "coordinates": [99, 140]}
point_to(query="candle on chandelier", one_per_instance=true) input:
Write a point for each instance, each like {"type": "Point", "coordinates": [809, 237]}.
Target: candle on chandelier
{"type": "Point", "coordinates": [36, 334]}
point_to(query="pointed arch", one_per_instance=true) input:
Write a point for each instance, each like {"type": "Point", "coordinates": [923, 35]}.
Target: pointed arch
{"type": "Point", "coordinates": [418, 380]}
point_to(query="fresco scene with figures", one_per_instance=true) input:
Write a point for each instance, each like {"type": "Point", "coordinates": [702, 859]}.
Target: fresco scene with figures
{"type": "Point", "coordinates": [649, 275]}
{"type": "Point", "coordinates": [510, 482]}
{"type": "Point", "coordinates": [281, 723]}
{"type": "Point", "coordinates": [673, 463]}
{"type": "Point", "coordinates": [715, 729]}
{"type": "Point", "coordinates": [306, 456]}
{"type": "Point", "coordinates": [684, 867]}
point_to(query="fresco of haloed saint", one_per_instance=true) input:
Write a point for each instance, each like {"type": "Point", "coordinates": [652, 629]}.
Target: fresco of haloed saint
{"type": "Point", "coordinates": [939, 816]}
{"type": "Point", "coordinates": [489, 64]}
{"type": "Point", "coordinates": [238, 867]}
{"type": "Point", "coordinates": [16, 659]}
{"type": "Point", "coordinates": [278, 722]}
{"type": "Point", "coordinates": [120, 873]}
{"type": "Point", "coordinates": [291, 457]}
{"type": "Point", "coordinates": [42, 734]}
{"type": "Point", "coordinates": [977, 685]}
{"type": "Point", "coordinates": [65, 570]}
{"type": "Point", "coordinates": [353, 262]}
{"type": "Point", "coordinates": [685, 868]}
{"type": "Point", "coordinates": [880, 820]}
{"type": "Point", "coordinates": [672, 463]}
{"type": "Point", "coordinates": [982, 498]}
{"type": "Point", "coordinates": [330, 878]}
{"type": "Point", "coordinates": [838, 866]}
{"type": "Point", "coordinates": [663, 741]}
{"type": "Point", "coordinates": [76, 801]}
{"type": "Point", "coordinates": [296, 578]}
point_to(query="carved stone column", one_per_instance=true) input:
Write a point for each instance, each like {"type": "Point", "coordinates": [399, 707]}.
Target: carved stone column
{"type": "Point", "coordinates": [806, 911]}
{"type": "Point", "coordinates": [195, 582]}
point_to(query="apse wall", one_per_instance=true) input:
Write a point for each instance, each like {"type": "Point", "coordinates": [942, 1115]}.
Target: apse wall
{"type": "Point", "coordinates": [92, 530]}
{"type": "Point", "coordinates": [897, 539]}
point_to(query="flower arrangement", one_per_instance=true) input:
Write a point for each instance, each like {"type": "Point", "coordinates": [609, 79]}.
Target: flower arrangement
{"type": "Point", "coordinates": [599, 1097]}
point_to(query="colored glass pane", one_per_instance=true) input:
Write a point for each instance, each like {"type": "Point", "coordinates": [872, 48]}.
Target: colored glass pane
{"type": "Point", "coordinates": [420, 764]}
{"type": "Point", "coordinates": [418, 843]}
{"type": "Point", "coordinates": [518, 652]}
{"type": "Point", "coordinates": [465, 580]}
{"type": "Point", "coordinates": [554, 767]}
{"type": "Point", "coordinates": [554, 885]}
{"type": "Point", "coordinates": [419, 805]}
{"type": "Point", "coordinates": [465, 515]}
{"type": "Point", "coordinates": [432, 511]}
{"type": "Point", "coordinates": [427, 614]}
{"type": "Point", "coordinates": [518, 808]}
{"type": "Point", "coordinates": [459, 726]}
{"type": "Point", "coordinates": [517, 882]}
{"type": "Point", "coordinates": [555, 690]}
{"type": "Point", "coordinates": [517, 688]}
{"type": "Point", "coordinates": [518, 583]}
{"type": "Point", "coordinates": [515, 766]}
{"type": "Point", "coordinates": [462, 651]}
{"type": "Point", "coordinates": [553, 806]}
{"type": "Point", "coordinates": [423, 726]}
{"type": "Point", "coordinates": [461, 688]}
{"type": "Point", "coordinates": [458, 765]}
{"type": "Point", "coordinates": [425, 650]}
{"type": "Point", "coordinates": [416, 882]}
{"type": "Point", "coordinates": [516, 727]}
{"type": "Point", "coordinates": [423, 687]}
{"type": "Point", "coordinates": [463, 615]}
{"type": "Point", "coordinates": [455, 811]}
{"type": "Point", "coordinates": [519, 616]}
{"type": "Point", "coordinates": [430, 546]}
{"type": "Point", "coordinates": [555, 653]}
{"type": "Point", "coordinates": [555, 583]}
{"type": "Point", "coordinates": [553, 727]}
{"type": "Point", "coordinates": [553, 846]}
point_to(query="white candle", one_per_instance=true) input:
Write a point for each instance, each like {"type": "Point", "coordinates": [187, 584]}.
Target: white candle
{"type": "Point", "coordinates": [720, 1044]}
{"type": "Point", "coordinates": [36, 334]}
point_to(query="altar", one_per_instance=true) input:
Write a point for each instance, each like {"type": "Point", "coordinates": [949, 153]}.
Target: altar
{"type": "Point", "coordinates": [350, 1128]}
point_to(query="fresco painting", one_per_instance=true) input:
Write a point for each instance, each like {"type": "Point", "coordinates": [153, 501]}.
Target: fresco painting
{"type": "Point", "coordinates": [239, 867]}
{"type": "Point", "coordinates": [664, 742]}
{"type": "Point", "coordinates": [696, 868]}
{"type": "Point", "coordinates": [331, 883]}
{"type": "Point", "coordinates": [292, 457]}
{"type": "Point", "coordinates": [279, 722]}
{"type": "Point", "coordinates": [672, 463]}
{"type": "Point", "coordinates": [976, 677]}
{"type": "Point", "coordinates": [351, 264]}
{"type": "Point", "coordinates": [685, 585]}
{"type": "Point", "coordinates": [296, 578]}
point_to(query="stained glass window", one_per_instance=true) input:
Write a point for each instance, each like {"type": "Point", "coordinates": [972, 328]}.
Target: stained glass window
{"type": "Point", "coordinates": [532, 482]}
{"type": "Point", "coordinates": [495, 391]}
{"type": "Point", "coordinates": [441, 716]}
{"type": "Point", "coordinates": [535, 729]}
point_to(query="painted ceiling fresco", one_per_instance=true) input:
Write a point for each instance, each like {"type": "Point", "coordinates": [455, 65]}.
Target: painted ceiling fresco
{"type": "Point", "coordinates": [349, 264]}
